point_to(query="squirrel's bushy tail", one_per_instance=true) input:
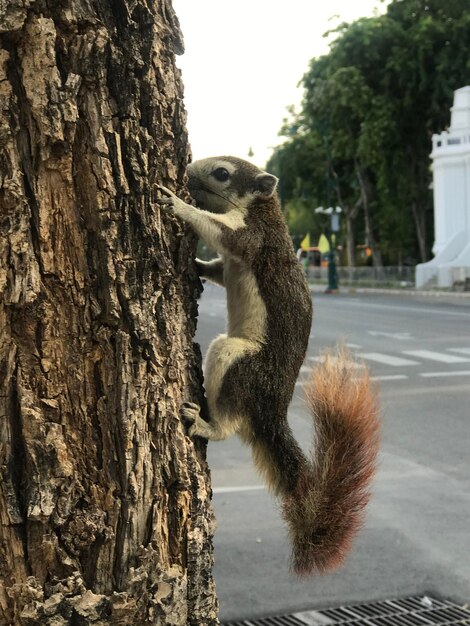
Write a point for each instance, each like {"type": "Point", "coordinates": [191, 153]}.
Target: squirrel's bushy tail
{"type": "Point", "coordinates": [326, 507]}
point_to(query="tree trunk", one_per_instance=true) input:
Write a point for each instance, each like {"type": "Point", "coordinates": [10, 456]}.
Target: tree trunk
{"type": "Point", "coordinates": [365, 193]}
{"type": "Point", "coordinates": [105, 514]}
{"type": "Point", "coordinates": [350, 213]}
{"type": "Point", "coordinates": [419, 217]}
{"type": "Point", "coordinates": [419, 203]}
{"type": "Point", "coordinates": [350, 243]}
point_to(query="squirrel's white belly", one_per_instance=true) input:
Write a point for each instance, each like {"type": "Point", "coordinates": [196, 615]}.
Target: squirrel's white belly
{"type": "Point", "coordinates": [247, 316]}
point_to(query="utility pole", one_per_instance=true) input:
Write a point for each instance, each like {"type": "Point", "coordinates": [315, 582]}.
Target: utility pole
{"type": "Point", "coordinates": [332, 228]}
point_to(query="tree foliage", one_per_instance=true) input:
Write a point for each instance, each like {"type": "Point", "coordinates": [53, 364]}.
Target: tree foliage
{"type": "Point", "coordinates": [363, 136]}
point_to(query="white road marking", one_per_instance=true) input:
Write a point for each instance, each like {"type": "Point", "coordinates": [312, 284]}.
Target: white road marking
{"type": "Point", "coordinates": [390, 377]}
{"type": "Point", "coordinates": [353, 346]}
{"type": "Point", "coordinates": [238, 489]}
{"type": "Point", "coordinates": [406, 309]}
{"type": "Point", "coordinates": [320, 359]}
{"type": "Point", "coordinates": [386, 359]}
{"type": "Point", "coordinates": [445, 374]}
{"type": "Point", "coordinates": [399, 336]}
{"type": "Point", "coordinates": [437, 356]}
{"type": "Point", "coordinates": [395, 361]}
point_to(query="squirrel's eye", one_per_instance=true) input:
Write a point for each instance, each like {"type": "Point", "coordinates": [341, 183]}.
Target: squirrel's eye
{"type": "Point", "coordinates": [221, 174]}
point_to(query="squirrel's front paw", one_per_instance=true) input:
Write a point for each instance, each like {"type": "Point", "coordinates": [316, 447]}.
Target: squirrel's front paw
{"type": "Point", "coordinates": [168, 200]}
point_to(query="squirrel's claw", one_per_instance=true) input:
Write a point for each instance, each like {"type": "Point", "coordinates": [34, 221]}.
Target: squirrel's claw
{"type": "Point", "coordinates": [189, 414]}
{"type": "Point", "coordinates": [168, 199]}
{"type": "Point", "coordinates": [164, 190]}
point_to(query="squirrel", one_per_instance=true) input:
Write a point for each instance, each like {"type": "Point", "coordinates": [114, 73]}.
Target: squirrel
{"type": "Point", "coordinates": [251, 371]}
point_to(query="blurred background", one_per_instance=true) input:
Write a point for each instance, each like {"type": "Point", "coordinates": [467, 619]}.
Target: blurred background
{"type": "Point", "coordinates": [341, 101]}
{"type": "Point", "coordinates": [362, 109]}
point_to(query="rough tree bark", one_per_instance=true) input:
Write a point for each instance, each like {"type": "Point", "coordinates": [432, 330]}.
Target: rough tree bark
{"type": "Point", "coordinates": [105, 514]}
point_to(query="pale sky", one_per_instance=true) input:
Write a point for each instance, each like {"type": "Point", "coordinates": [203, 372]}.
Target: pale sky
{"type": "Point", "coordinates": [243, 62]}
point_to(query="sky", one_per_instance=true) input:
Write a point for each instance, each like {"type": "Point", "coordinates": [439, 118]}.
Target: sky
{"type": "Point", "coordinates": [243, 62]}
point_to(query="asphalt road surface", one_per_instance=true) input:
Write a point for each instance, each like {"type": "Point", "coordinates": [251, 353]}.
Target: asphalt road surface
{"type": "Point", "coordinates": [417, 534]}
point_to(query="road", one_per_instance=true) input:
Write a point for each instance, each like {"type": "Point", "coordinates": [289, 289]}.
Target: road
{"type": "Point", "coordinates": [417, 535]}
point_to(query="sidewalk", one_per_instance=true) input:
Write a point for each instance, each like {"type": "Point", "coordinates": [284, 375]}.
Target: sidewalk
{"type": "Point", "coordinates": [462, 296]}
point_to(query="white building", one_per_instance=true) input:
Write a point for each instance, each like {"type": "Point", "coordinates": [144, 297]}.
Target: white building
{"type": "Point", "coordinates": [451, 174]}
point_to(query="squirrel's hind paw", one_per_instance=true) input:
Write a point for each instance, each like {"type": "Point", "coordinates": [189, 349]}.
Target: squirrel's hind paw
{"type": "Point", "coordinates": [190, 413]}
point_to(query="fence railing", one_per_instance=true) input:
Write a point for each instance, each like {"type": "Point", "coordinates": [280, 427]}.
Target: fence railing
{"type": "Point", "coordinates": [444, 277]}
{"type": "Point", "coordinates": [392, 277]}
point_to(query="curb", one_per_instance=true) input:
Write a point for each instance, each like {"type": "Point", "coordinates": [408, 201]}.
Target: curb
{"type": "Point", "coordinates": [414, 292]}
{"type": "Point", "coordinates": [395, 292]}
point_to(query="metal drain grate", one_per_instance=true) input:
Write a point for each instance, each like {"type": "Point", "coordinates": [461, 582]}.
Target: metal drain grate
{"type": "Point", "coordinates": [413, 611]}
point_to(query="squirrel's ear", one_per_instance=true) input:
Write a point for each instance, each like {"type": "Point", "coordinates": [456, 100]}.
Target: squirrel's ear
{"type": "Point", "coordinates": [265, 184]}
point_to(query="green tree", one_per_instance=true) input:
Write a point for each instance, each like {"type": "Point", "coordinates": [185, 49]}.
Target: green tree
{"type": "Point", "coordinates": [369, 111]}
